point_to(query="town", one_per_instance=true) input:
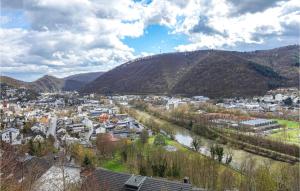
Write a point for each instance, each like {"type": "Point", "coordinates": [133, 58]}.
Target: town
{"type": "Point", "coordinates": [48, 132]}
{"type": "Point", "coordinates": [149, 95]}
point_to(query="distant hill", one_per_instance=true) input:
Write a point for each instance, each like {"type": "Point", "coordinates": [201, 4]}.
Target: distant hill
{"type": "Point", "coordinates": [212, 73]}
{"type": "Point", "coordinates": [84, 77]}
{"type": "Point", "coordinates": [77, 81]}
{"type": "Point", "coordinates": [44, 84]}
{"type": "Point", "coordinates": [49, 83]}
{"type": "Point", "coordinates": [13, 82]}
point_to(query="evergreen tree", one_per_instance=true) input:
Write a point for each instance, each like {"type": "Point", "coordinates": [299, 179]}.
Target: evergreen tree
{"type": "Point", "coordinates": [31, 147]}
{"type": "Point", "coordinates": [87, 161]}
{"type": "Point", "coordinates": [144, 136]}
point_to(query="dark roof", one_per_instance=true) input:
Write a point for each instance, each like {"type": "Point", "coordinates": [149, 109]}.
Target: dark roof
{"type": "Point", "coordinates": [33, 166]}
{"type": "Point", "coordinates": [108, 180]}
{"type": "Point", "coordinates": [162, 184]}
{"type": "Point", "coordinates": [256, 121]}
{"type": "Point", "coordinates": [25, 170]}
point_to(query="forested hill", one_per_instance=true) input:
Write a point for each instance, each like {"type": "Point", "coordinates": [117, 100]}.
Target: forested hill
{"type": "Point", "coordinates": [213, 73]}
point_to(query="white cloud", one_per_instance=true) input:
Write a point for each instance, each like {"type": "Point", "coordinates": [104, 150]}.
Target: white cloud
{"type": "Point", "coordinates": [246, 28]}
{"type": "Point", "coordinates": [67, 36]}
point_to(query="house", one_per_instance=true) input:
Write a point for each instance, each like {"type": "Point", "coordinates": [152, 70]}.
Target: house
{"type": "Point", "coordinates": [70, 140]}
{"type": "Point", "coordinates": [55, 177]}
{"type": "Point", "coordinates": [88, 123]}
{"type": "Point", "coordinates": [201, 98]}
{"type": "Point", "coordinates": [100, 130]}
{"type": "Point", "coordinates": [76, 128]}
{"type": "Point", "coordinates": [173, 103]}
{"type": "Point", "coordinates": [268, 98]}
{"type": "Point", "coordinates": [61, 131]}
{"type": "Point", "coordinates": [98, 111]}
{"type": "Point", "coordinates": [24, 171]}
{"type": "Point", "coordinates": [97, 131]}
{"type": "Point", "coordinates": [10, 135]}
{"type": "Point", "coordinates": [280, 97]}
{"type": "Point", "coordinates": [38, 128]}
{"type": "Point", "coordinates": [59, 103]}
{"type": "Point", "coordinates": [102, 178]}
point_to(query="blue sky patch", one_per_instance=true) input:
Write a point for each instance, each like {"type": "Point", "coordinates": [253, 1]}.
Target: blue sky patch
{"type": "Point", "coordinates": [156, 39]}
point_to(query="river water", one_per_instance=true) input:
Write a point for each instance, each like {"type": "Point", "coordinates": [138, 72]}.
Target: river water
{"type": "Point", "coordinates": [185, 137]}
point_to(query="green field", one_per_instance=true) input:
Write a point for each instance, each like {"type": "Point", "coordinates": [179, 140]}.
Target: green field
{"type": "Point", "coordinates": [288, 124]}
{"type": "Point", "coordinates": [290, 135]}
{"type": "Point", "coordinates": [169, 142]}
{"type": "Point", "coordinates": [115, 164]}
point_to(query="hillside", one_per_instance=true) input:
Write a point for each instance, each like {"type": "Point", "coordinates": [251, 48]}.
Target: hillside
{"type": "Point", "coordinates": [284, 60]}
{"type": "Point", "coordinates": [77, 81]}
{"type": "Point", "coordinates": [49, 83]}
{"type": "Point", "coordinates": [44, 84]}
{"type": "Point", "coordinates": [84, 77]}
{"type": "Point", "coordinates": [211, 73]}
{"type": "Point", "coordinates": [221, 74]}
{"type": "Point", "coordinates": [13, 82]}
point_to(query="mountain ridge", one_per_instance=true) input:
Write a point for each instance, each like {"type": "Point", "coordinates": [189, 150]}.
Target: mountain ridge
{"type": "Point", "coordinates": [166, 73]}
{"type": "Point", "coordinates": [48, 83]}
{"type": "Point", "coordinates": [229, 73]}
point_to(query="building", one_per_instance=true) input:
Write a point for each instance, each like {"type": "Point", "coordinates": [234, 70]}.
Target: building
{"type": "Point", "coordinates": [174, 103]}
{"type": "Point", "coordinates": [201, 98]}
{"type": "Point", "coordinates": [102, 178]}
{"type": "Point", "coordinates": [54, 178]}
{"type": "Point", "coordinates": [259, 125]}
{"type": "Point", "coordinates": [10, 135]}
{"type": "Point", "coordinates": [76, 128]}
{"type": "Point", "coordinates": [25, 171]}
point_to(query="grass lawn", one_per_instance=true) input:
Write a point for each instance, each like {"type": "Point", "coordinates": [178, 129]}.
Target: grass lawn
{"type": "Point", "coordinates": [115, 165]}
{"type": "Point", "coordinates": [291, 135]}
{"type": "Point", "coordinates": [289, 124]}
{"type": "Point", "coordinates": [176, 144]}
{"type": "Point", "coordinates": [169, 142]}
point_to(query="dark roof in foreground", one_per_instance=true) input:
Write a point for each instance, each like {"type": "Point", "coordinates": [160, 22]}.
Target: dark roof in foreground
{"type": "Point", "coordinates": [102, 179]}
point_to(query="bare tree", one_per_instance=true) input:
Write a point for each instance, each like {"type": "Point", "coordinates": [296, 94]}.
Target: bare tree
{"type": "Point", "coordinates": [196, 143]}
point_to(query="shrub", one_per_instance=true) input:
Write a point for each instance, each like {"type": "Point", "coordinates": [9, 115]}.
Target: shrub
{"type": "Point", "coordinates": [159, 140]}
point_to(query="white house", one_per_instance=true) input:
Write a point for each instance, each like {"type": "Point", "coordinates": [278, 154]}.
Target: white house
{"type": "Point", "coordinates": [10, 135]}
{"type": "Point", "coordinates": [296, 100]}
{"type": "Point", "coordinates": [100, 130]}
{"type": "Point", "coordinates": [37, 128]}
{"type": "Point", "coordinates": [280, 97]}
{"type": "Point", "coordinates": [268, 98]}
{"type": "Point", "coordinates": [201, 98]}
{"type": "Point", "coordinates": [88, 123]}
{"type": "Point", "coordinates": [70, 140]}
{"type": "Point", "coordinates": [174, 103]}
{"type": "Point", "coordinates": [52, 179]}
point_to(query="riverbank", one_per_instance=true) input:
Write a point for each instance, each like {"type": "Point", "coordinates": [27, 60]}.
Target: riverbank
{"type": "Point", "coordinates": [185, 137]}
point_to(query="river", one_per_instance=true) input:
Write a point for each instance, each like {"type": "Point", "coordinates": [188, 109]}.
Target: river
{"type": "Point", "coordinates": [185, 137]}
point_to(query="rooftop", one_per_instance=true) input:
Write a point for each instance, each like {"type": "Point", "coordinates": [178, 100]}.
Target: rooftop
{"type": "Point", "coordinates": [123, 181]}
{"type": "Point", "coordinates": [256, 121]}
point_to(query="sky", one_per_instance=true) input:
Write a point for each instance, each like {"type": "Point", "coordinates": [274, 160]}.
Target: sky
{"type": "Point", "coordinates": [65, 37]}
